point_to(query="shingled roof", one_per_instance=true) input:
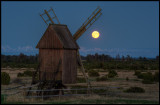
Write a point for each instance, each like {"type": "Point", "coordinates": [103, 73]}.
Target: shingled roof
{"type": "Point", "coordinates": [57, 36]}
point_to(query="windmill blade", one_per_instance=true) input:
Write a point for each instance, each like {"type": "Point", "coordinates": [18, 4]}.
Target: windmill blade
{"type": "Point", "coordinates": [90, 20]}
{"type": "Point", "coordinates": [49, 17]}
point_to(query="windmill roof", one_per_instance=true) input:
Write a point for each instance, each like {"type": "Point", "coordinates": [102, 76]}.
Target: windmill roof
{"type": "Point", "coordinates": [57, 36]}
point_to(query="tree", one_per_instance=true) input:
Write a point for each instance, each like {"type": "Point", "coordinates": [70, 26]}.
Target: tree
{"type": "Point", "coordinates": [117, 57]}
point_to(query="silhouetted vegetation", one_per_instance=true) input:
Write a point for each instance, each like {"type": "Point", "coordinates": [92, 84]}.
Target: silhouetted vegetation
{"type": "Point", "coordinates": [128, 63]}
{"type": "Point", "coordinates": [95, 61]}
{"type": "Point", "coordinates": [93, 73]}
{"type": "Point", "coordinates": [148, 77]}
{"type": "Point", "coordinates": [134, 90]}
{"type": "Point", "coordinates": [19, 61]}
{"type": "Point", "coordinates": [26, 73]}
{"type": "Point", "coordinates": [81, 80]}
{"type": "Point", "coordinates": [5, 78]}
{"type": "Point", "coordinates": [112, 74]}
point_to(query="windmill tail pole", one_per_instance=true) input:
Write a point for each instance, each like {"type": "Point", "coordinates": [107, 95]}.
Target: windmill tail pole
{"type": "Point", "coordinates": [83, 71]}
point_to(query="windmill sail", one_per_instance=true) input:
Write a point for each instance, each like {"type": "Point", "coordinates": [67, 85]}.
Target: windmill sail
{"type": "Point", "coordinates": [90, 20]}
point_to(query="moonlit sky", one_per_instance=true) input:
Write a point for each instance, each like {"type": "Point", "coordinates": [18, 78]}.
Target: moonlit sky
{"type": "Point", "coordinates": [125, 27]}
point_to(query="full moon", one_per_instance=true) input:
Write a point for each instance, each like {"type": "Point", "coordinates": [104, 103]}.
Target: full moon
{"type": "Point", "coordinates": [95, 34]}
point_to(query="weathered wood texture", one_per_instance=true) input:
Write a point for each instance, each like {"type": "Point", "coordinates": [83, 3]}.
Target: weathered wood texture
{"type": "Point", "coordinates": [57, 36]}
{"type": "Point", "coordinates": [57, 43]}
{"type": "Point", "coordinates": [69, 73]}
{"type": "Point", "coordinates": [50, 39]}
{"type": "Point", "coordinates": [49, 62]}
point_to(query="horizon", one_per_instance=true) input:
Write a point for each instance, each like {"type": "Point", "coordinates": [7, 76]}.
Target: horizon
{"type": "Point", "coordinates": [87, 55]}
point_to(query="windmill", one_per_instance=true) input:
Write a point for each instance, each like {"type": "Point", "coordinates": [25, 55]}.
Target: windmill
{"type": "Point", "coordinates": [59, 52]}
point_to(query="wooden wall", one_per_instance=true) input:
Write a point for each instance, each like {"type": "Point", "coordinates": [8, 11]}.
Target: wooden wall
{"type": "Point", "coordinates": [69, 72]}
{"type": "Point", "coordinates": [49, 39]}
{"type": "Point", "coordinates": [49, 60]}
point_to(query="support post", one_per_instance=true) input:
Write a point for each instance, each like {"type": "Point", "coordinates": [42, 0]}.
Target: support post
{"type": "Point", "coordinates": [42, 95]}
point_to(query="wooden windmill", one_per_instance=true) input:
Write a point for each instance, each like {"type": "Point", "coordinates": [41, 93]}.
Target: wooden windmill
{"type": "Point", "coordinates": [59, 52]}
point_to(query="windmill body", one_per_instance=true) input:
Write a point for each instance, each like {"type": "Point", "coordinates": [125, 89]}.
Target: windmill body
{"type": "Point", "coordinates": [57, 45]}
{"type": "Point", "coordinates": [59, 54]}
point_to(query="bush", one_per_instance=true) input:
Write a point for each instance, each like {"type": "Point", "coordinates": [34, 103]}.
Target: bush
{"type": "Point", "coordinates": [127, 78]}
{"type": "Point", "coordinates": [112, 74]}
{"type": "Point", "coordinates": [148, 78]}
{"type": "Point", "coordinates": [93, 73]}
{"type": "Point", "coordinates": [146, 81]}
{"type": "Point", "coordinates": [147, 75]}
{"type": "Point", "coordinates": [156, 77]}
{"type": "Point", "coordinates": [81, 80]}
{"type": "Point", "coordinates": [5, 78]}
{"type": "Point", "coordinates": [134, 90]}
{"type": "Point", "coordinates": [137, 72]}
{"type": "Point", "coordinates": [20, 74]}
{"type": "Point", "coordinates": [103, 78]}
{"type": "Point", "coordinates": [28, 73]}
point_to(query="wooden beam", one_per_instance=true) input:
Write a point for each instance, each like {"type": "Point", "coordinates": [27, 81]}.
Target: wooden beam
{"type": "Point", "coordinates": [87, 23]}
{"type": "Point", "coordinates": [49, 16]}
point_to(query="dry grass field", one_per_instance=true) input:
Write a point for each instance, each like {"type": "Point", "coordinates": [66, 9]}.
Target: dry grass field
{"type": "Point", "coordinates": [117, 86]}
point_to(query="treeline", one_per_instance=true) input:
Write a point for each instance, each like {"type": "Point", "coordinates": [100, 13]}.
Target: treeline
{"type": "Point", "coordinates": [101, 61]}
{"type": "Point", "coordinates": [106, 58]}
{"type": "Point", "coordinates": [21, 58]}
{"type": "Point", "coordinates": [19, 61]}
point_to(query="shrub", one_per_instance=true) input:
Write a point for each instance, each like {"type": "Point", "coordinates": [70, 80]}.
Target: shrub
{"type": "Point", "coordinates": [5, 78]}
{"type": "Point", "coordinates": [20, 74]}
{"type": "Point", "coordinates": [147, 75]}
{"type": "Point", "coordinates": [137, 72]}
{"type": "Point", "coordinates": [28, 73]}
{"type": "Point", "coordinates": [127, 78]}
{"type": "Point", "coordinates": [93, 73]}
{"type": "Point", "coordinates": [156, 77]}
{"type": "Point", "coordinates": [134, 90]}
{"type": "Point", "coordinates": [103, 78]}
{"type": "Point", "coordinates": [147, 81]}
{"type": "Point", "coordinates": [148, 78]}
{"type": "Point", "coordinates": [112, 74]}
{"type": "Point", "coordinates": [81, 80]}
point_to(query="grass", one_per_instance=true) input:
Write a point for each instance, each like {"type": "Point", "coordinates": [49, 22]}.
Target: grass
{"type": "Point", "coordinates": [93, 101]}
{"type": "Point", "coordinates": [102, 101]}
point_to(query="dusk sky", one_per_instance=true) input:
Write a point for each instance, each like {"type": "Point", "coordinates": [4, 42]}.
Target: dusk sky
{"type": "Point", "coordinates": [125, 27]}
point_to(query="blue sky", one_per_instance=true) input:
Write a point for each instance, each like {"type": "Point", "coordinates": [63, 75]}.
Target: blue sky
{"type": "Point", "coordinates": [126, 27]}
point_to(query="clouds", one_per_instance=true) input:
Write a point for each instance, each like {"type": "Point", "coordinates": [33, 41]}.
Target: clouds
{"type": "Point", "coordinates": [24, 49]}
{"type": "Point", "coordinates": [121, 51]}
{"type": "Point", "coordinates": [29, 50]}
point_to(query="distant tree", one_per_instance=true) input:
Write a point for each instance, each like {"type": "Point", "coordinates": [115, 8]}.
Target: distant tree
{"type": "Point", "coordinates": [157, 57]}
{"type": "Point", "coordinates": [128, 58]}
{"type": "Point", "coordinates": [140, 58]}
{"type": "Point", "coordinates": [123, 58]}
{"type": "Point", "coordinates": [117, 57]}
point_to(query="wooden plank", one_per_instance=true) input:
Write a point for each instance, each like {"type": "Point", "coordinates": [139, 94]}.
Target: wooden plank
{"type": "Point", "coordinates": [50, 61]}
{"type": "Point", "coordinates": [69, 73]}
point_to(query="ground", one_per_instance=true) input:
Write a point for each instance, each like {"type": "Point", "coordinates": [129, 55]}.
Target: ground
{"type": "Point", "coordinates": [116, 87]}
